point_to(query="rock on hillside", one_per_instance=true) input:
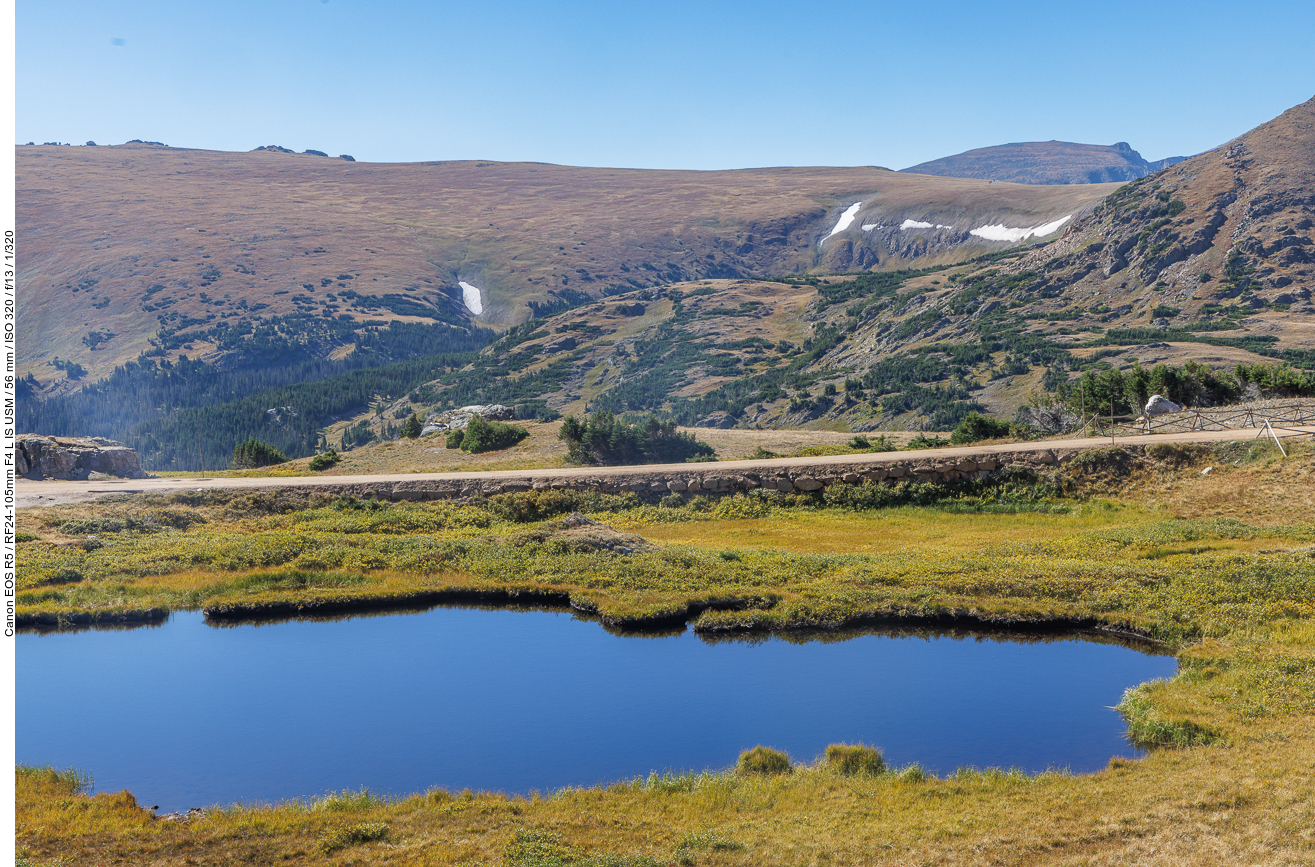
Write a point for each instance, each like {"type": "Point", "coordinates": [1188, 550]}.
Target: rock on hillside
{"type": "Point", "coordinates": [1046, 162]}
{"type": "Point", "coordinates": [459, 419]}
{"type": "Point", "coordinates": [69, 458]}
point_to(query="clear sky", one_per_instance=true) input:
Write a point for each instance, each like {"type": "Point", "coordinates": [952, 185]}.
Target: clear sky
{"type": "Point", "coordinates": [676, 84]}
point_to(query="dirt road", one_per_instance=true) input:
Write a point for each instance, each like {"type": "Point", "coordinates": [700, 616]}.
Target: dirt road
{"type": "Point", "coordinates": [46, 493]}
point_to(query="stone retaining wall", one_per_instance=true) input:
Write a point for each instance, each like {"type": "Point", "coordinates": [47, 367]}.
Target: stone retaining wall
{"type": "Point", "coordinates": [886, 469]}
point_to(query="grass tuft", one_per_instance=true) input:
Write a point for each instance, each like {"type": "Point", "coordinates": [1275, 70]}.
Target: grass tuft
{"type": "Point", "coordinates": [854, 759]}
{"type": "Point", "coordinates": [69, 781]}
{"type": "Point", "coordinates": [764, 760]}
{"type": "Point", "coordinates": [912, 774]}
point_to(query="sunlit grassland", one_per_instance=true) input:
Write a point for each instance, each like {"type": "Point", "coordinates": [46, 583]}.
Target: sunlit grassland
{"type": "Point", "coordinates": [831, 532]}
{"type": "Point", "coordinates": [1229, 778]}
{"type": "Point", "coordinates": [779, 566]}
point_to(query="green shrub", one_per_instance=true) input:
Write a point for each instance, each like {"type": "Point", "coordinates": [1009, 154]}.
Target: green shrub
{"type": "Point", "coordinates": [922, 441]}
{"type": "Point", "coordinates": [411, 427]}
{"type": "Point", "coordinates": [453, 439]}
{"type": "Point", "coordinates": [491, 436]}
{"type": "Point", "coordinates": [854, 759]}
{"type": "Point", "coordinates": [872, 495]}
{"type": "Point", "coordinates": [324, 460]}
{"type": "Point", "coordinates": [1280, 380]}
{"type": "Point", "coordinates": [254, 453]}
{"type": "Point", "coordinates": [524, 507]}
{"type": "Point", "coordinates": [881, 444]}
{"type": "Point", "coordinates": [603, 438]}
{"type": "Point", "coordinates": [976, 426]}
{"type": "Point", "coordinates": [764, 760]}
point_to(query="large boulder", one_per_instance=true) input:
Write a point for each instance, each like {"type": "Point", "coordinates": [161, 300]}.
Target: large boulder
{"type": "Point", "coordinates": [457, 419]}
{"type": "Point", "coordinates": [1158, 405]}
{"type": "Point", "coordinates": [74, 458]}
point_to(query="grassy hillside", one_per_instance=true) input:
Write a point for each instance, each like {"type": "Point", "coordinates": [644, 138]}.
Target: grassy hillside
{"type": "Point", "coordinates": [143, 248]}
{"type": "Point", "coordinates": [1201, 245]}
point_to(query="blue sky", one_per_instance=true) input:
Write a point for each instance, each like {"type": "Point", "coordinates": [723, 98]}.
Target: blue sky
{"type": "Point", "coordinates": [701, 85]}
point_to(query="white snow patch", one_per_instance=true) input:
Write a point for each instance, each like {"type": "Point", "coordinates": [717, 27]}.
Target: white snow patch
{"type": "Point", "coordinates": [868, 227]}
{"type": "Point", "coordinates": [470, 294]}
{"type": "Point", "coordinates": [918, 224]}
{"type": "Point", "coordinates": [1005, 233]}
{"type": "Point", "coordinates": [845, 220]}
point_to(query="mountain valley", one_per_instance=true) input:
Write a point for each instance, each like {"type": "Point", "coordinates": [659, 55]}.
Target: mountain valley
{"type": "Point", "coordinates": [849, 299]}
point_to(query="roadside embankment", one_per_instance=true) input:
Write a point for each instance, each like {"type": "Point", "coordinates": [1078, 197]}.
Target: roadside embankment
{"type": "Point", "coordinates": [781, 474]}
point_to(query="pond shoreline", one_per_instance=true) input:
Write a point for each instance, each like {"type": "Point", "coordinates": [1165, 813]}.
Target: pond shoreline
{"type": "Point", "coordinates": [539, 599]}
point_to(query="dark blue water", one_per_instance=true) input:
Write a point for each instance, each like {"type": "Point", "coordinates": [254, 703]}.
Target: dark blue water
{"type": "Point", "coordinates": [187, 714]}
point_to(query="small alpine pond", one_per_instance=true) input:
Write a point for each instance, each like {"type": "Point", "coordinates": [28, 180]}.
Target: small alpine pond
{"type": "Point", "coordinates": [188, 714]}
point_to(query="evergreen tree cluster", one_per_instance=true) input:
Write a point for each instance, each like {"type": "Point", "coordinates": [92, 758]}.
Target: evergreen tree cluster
{"type": "Point", "coordinates": [181, 415]}
{"type": "Point", "coordinates": [603, 438]}
{"type": "Point", "coordinates": [251, 452]}
{"type": "Point", "coordinates": [485, 436]}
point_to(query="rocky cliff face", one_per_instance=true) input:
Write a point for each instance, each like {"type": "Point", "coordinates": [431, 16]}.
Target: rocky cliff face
{"type": "Point", "coordinates": [76, 459]}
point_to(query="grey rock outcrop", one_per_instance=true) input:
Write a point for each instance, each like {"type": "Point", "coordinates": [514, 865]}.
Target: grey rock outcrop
{"type": "Point", "coordinates": [719, 419]}
{"type": "Point", "coordinates": [458, 419]}
{"type": "Point", "coordinates": [74, 458]}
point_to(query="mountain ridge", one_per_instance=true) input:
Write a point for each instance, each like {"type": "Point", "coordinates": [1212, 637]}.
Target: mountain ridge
{"type": "Point", "coordinates": [1049, 162]}
{"type": "Point", "coordinates": [140, 248]}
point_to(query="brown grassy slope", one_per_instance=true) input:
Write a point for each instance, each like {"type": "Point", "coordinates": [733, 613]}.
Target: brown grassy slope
{"type": "Point", "coordinates": [1255, 194]}
{"type": "Point", "coordinates": [111, 222]}
{"type": "Point", "coordinates": [1043, 162]}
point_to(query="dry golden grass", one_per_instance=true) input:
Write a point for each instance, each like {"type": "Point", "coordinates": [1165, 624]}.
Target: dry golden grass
{"type": "Point", "coordinates": [828, 532]}
{"type": "Point", "coordinates": [1265, 491]}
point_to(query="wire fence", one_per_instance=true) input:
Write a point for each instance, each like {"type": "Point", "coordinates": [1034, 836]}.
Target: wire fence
{"type": "Point", "coordinates": [1292, 418]}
